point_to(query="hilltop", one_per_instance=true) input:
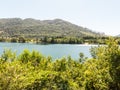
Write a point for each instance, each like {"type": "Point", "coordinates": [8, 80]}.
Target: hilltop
{"type": "Point", "coordinates": [16, 27]}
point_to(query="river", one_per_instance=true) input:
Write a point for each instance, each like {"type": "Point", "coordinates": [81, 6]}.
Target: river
{"type": "Point", "coordinates": [54, 50]}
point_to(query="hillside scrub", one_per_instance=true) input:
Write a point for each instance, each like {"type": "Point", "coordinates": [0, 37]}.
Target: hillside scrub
{"type": "Point", "coordinates": [33, 71]}
{"type": "Point", "coordinates": [31, 28]}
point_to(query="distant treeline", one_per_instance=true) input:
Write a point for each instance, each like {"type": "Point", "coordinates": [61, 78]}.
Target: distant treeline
{"type": "Point", "coordinates": [56, 40]}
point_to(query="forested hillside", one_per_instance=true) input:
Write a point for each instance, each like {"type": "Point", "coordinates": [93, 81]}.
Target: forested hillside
{"type": "Point", "coordinates": [16, 27]}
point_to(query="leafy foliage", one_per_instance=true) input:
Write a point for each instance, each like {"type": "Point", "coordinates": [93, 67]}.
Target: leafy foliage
{"type": "Point", "coordinates": [33, 71]}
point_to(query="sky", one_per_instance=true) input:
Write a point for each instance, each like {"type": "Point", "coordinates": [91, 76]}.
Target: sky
{"type": "Point", "coordinates": [97, 15]}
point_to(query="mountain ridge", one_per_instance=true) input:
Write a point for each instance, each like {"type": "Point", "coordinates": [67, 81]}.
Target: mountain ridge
{"type": "Point", "coordinates": [40, 28]}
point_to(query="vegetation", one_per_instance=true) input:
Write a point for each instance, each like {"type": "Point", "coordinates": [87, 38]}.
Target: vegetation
{"type": "Point", "coordinates": [33, 71]}
{"type": "Point", "coordinates": [16, 27]}
{"type": "Point", "coordinates": [46, 31]}
{"type": "Point", "coordinates": [56, 40]}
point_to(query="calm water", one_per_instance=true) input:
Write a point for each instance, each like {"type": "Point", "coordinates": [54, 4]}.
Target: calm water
{"type": "Point", "coordinates": [54, 50]}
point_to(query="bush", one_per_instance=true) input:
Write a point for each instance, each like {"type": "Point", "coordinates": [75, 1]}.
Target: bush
{"type": "Point", "coordinates": [33, 71]}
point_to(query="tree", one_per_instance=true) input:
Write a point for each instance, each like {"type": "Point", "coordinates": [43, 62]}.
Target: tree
{"type": "Point", "coordinates": [21, 40]}
{"type": "Point", "coordinates": [113, 52]}
{"type": "Point", "coordinates": [110, 54]}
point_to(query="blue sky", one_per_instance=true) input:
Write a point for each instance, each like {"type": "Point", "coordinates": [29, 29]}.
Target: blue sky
{"type": "Point", "coordinates": [98, 15]}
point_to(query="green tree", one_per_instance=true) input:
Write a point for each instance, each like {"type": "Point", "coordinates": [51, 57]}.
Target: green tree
{"type": "Point", "coordinates": [110, 54]}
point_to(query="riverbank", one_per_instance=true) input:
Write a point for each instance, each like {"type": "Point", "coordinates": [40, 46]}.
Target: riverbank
{"type": "Point", "coordinates": [55, 40]}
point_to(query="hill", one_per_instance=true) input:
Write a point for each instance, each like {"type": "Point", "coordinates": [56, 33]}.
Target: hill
{"type": "Point", "coordinates": [14, 27]}
{"type": "Point", "coordinates": [118, 35]}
